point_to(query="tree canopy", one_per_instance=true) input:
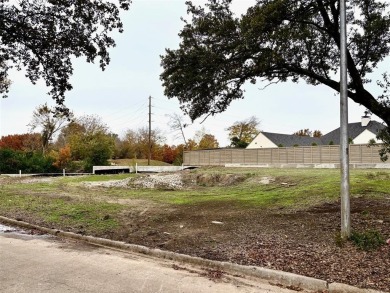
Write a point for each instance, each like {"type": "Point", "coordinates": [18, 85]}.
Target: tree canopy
{"type": "Point", "coordinates": [276, 41]}
{"type": "Point", "coordinates": [28, 142]}
{"type": "Point", "coordinates": [208, 141]}
{"type": "Point", "coordinates": [308, 132]}
{"type": "Point", "coordinates": [241, 133]}
{"type": "Point", "coordinates": [49, 122]}
{"type": "Point", "coordinates": [43, 35]}
{"type": "Point", "coordinates": [89, 140]}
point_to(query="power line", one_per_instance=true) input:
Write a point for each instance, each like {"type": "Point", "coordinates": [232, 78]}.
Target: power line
{"type": "Point", "coordinates": [122, 109]}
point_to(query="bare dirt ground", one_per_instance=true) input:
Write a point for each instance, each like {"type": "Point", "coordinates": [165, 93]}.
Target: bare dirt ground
{"type": "Point", "coordinates": [301, 242]}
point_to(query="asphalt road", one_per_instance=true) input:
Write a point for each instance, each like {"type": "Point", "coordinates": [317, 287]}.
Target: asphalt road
{"type": "Point", "coordinates": [48, 264]}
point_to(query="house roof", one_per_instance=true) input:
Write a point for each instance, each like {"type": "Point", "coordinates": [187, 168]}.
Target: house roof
{"type": "Point", "coordinates": [354, 130]}
{"type": "Point", "coordinates": [288, 140]}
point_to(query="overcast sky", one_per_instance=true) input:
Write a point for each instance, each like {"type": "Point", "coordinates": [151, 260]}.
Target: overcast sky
{"type": "Point", "coordinates": [119, 95]}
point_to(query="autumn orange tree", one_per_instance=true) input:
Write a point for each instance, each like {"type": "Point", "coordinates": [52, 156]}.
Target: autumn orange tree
{"type": "Point", "coordinates": [191, 145]}
{"type": "Point", "coordinates": [303, 132]}
{"type": "Point", "coordinates": [307, 132]}
{"type": "Point", "coordinates": [21, 142]}
{"type": "Point", "coordinates": [62, 157]}
{"type": "Point", "coordinates": [208, 141]}
{"type": "Point", "coordinates": [317, 133]}
{"type": "Point", "coordinates": [135, 144]}
{"type": "Point", "coordinates": [169, 153]}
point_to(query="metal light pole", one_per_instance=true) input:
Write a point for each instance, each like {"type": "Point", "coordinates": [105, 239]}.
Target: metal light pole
{"type": "Point", "coordinates": [344, 143]}
{"type": "Point", "coordinates": [150, 131]}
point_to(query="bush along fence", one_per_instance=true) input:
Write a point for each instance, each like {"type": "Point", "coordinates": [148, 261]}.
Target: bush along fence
{"type": "Point", "coordinates": [325, 154]}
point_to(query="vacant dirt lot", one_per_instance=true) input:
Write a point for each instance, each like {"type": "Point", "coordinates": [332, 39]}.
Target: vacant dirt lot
{"type": "Point", "coordinates": [299, 242]}
{"type": "Point", "coordinates": [302, 241]}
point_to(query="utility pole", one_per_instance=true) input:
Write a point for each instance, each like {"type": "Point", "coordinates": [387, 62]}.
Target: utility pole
{"type": "Point", "coordinates": [344, 143]}
{"type": "Point", "coordinates": [150, 131]}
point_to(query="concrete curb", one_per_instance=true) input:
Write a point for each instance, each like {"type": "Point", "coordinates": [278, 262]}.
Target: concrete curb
{"type": "Point", "coordinates": [343, 288]}
{"type": "Point", "coordinates": [274, 276]}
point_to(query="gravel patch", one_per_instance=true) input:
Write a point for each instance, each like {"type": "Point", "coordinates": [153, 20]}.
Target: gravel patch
{"type": "Point", "coordinates": [110, 183]}
{"type": "Point", "coordinates": [163, 181]}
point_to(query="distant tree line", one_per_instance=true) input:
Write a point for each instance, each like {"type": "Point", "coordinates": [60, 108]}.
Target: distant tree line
{"type": "Point", "coordinates": [57, 142]}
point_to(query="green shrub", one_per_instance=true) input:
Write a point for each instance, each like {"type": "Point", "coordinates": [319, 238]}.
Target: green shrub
{"type": "Point", "coordinates": [368, 240]}
{"type": "Point", "coordinates": [12, 161]}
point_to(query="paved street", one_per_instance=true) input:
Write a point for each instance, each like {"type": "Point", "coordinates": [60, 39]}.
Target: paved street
{"type": "Point", "coordinates": [47, 264]}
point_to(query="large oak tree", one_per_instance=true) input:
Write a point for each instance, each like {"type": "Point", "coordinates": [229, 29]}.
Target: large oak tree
{"type": "Point", "coordinates": [42, 36]}
{"type": "Point", "coordinates": [276, 41]}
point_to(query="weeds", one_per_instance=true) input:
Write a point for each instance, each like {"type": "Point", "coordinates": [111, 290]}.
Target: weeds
{"type": "Point", "coordinates": [339, 240]}
{"type": "Point", "coordinates": [367, 240]}
{"type": "Point", "coordinates": [378, 175]}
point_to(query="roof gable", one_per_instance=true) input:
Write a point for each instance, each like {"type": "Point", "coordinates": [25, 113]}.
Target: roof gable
{"type": "Point", "coordinates": [333, 137]}
{"type": "Point", "coordinates": [261, 141]}
{"type": "Point", "coordinates": [288, 140]}
{"type": "Point", "coordinates": [354, 130]}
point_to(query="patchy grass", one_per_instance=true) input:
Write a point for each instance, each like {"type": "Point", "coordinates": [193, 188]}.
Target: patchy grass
{"type": "Point", "coordinates": [61, 210]}
{"type": "Point", "coordinates": [291, 189]}
{"type": "Point", "coordinates": [284, 219]}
